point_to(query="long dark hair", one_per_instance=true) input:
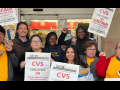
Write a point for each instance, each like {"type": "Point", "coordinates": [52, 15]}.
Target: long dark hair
{"type": "Point", "coordinates": [16, 34]}
{"type": "Point", "coordinates": [48, 37]}
{"type": "Point", "coordinates": [77, 57]}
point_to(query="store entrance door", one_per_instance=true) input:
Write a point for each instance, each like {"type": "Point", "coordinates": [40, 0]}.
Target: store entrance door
{"type": "Point", "coordinates": [42, 28]}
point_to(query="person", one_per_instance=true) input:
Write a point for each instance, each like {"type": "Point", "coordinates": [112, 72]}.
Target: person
{"type": "Point", "coordinates": [90, 48]}
{"type": "Point", "coordinates": [71, 56]}
{"type": "Point", "coordinates": [81, 34]}
{"type": "Point", "coordinates": [8, 59]}
{"type": "Point", "coordinates": [51, 46]}
{"type": "Point", "coordinates": [109, 68]}
{"type": "Point", "coordinates": [20, 45]}
{"type": "Point", "coordinates": [36, 44]}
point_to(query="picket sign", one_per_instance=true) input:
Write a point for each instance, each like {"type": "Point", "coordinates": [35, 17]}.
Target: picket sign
{"type": "Point", "coordinates": [63, 72]}
{"type": "Point", "coordinates": [8, 16]}
{"type": "Point", "coordinates": [37, 66]}
{"type": "Point", "coordinates": [101, 21]}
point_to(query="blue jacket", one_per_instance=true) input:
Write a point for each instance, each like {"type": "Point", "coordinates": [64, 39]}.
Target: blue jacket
{"type": "Point", "coordinates": [56, 52]}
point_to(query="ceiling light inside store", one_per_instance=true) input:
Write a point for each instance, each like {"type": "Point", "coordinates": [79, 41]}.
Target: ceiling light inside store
{"type": "Point", "coordinates": [37, 9]}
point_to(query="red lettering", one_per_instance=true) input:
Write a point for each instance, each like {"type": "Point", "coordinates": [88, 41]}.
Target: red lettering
{"type": "Point", "coordinates": [7, 9]}
{"type": "Point", "coordinates": [38, 63]}
{"type": "Point", "coordinates": [33, 62]}
{"type": "Point", "coordinates": [68, 76]}
{"type": "Point", "coordinates": [104, 12]}
{"type": "Point", "coordinates": [37, 73]}
{"type": "Point", "coordinates": [63, 75]}
{"type": "Point", "coordinates": [58, 74]}
{"type": "Point", "coordinates": [41, 64]}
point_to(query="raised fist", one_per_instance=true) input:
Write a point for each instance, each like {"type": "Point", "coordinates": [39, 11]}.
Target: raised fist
{"type": "Point", "coordinates": [102, 54]}
{"type": "Point", "coordinates": [65, 30]}
{"type": "Point", "coordinates": [8, 47]}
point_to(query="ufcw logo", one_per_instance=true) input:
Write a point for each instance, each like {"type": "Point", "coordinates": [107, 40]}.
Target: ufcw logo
{"type": "Point", "coordinates": [54, 54]}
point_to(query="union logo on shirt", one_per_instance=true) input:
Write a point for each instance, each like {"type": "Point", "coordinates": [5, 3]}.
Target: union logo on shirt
{"type": "Point", "coordinates": [54, 54]}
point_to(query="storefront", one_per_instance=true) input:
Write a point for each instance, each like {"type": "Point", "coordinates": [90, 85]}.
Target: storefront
{"type": "Point", "coordinates": [54, 19]}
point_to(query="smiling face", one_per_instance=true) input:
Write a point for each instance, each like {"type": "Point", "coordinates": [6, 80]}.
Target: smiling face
{"type": "Point", "coordinates": [81, 34]}
{"type": "Point", "coordinates": [70, 54]}
{"type": "Point", "coordinates": [52, 40]}
{"type": "Point", "coordinates": [36, 43]}
{"type": "Point", "coordinates": [91, 51]}
{"type": "Point", "coordinates": [22, 30]}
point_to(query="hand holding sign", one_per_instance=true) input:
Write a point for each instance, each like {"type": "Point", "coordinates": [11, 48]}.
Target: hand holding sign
{"type": "Point", "coordinates": [8, 47]}
{"type": "Point", "coordinates": [10, 42]}
{"type": "Point", "coordinates": [22, 64]}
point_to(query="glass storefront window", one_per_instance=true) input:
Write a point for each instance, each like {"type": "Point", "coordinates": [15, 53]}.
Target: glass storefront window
{"type": "Point", "coordinates": [43, 27]}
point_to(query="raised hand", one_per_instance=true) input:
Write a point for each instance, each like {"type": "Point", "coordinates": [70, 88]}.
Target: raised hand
{"type": "Point", "coordinates": [102, 54]}
{"type": "Point", "coordinates": [10, 42]}
{"type": "Point", "coordinates": [65, 30]}
{"type": "Point", "coordinates": [8, 47]}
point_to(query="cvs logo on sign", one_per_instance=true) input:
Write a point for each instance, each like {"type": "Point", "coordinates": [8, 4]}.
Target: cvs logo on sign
{"type": "Point", "coordinates": [63, 75]}
{"type": "Point", "coordinates": [104, 11]}
{"type": "Point", "coordinates": [35, 63]}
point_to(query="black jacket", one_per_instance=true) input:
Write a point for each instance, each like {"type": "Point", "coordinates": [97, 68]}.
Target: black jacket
{"type": "Point", "coordinates": [79, 42]}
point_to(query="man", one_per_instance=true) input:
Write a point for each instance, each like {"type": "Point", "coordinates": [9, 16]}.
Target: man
{"type": "Point", "coordinates": [81, 34]}
{"type": "Point", "coordinates": [8, 59]}
{"type": "Point", "coordinates": [20, 45]}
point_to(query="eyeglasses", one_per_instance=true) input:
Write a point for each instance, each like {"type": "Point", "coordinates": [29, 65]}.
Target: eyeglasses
{"type": "Point", "coordinates": [118, 48]}
{"type": "Point", "coordinates": [91, 49]}
{"type": "Point", "coordinates": [36, 41]}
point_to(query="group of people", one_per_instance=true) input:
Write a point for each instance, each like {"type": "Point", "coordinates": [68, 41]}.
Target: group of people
{"type": "Point", "coordinates": [80, 51]}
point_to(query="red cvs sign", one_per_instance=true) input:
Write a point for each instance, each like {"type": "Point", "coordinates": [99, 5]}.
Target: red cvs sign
{"type": "Point", "coordinates": [35, 63]}
{"type": "Point", "coordinates": [63, 75]}
{"type": "Point", "coordinates": [104, 12]}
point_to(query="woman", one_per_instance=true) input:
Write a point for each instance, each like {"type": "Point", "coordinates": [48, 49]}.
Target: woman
{"type": "Point", "coordinates": [51, 46]}
{"type": "Point", "coordinates": [90, 49]}
{"type": "Point", "coordinates": [109, 68]}
{"type": "Point", "coordinates": [71, 56]}
{"type": "Point", "coordinates": [36, 44]}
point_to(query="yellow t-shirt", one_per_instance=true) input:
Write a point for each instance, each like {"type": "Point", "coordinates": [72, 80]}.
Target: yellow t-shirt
{"type": "Point", "coordinates": [114, 66]}
{"type": "Point", "coordinates": [3, 64]}
{"type": "Point", "coordinates": [89, 60]}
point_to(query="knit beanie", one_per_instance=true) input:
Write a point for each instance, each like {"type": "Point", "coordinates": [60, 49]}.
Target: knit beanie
{"type": "Point", "coordinates": [2, 29]}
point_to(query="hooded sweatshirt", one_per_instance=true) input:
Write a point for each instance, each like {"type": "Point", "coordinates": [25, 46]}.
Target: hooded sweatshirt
{"type": "Point", "coordinates": [56, 52]}
{"type": "Point", "coordinates": [79, 43]}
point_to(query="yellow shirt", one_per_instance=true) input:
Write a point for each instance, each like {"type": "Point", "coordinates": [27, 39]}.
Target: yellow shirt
{"type": "Point", "coordinates": [89, 60]}
{"type": "Point", "coordinates": [114, 66]}
{"type": "Point", "coordinates": [3, 64]}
